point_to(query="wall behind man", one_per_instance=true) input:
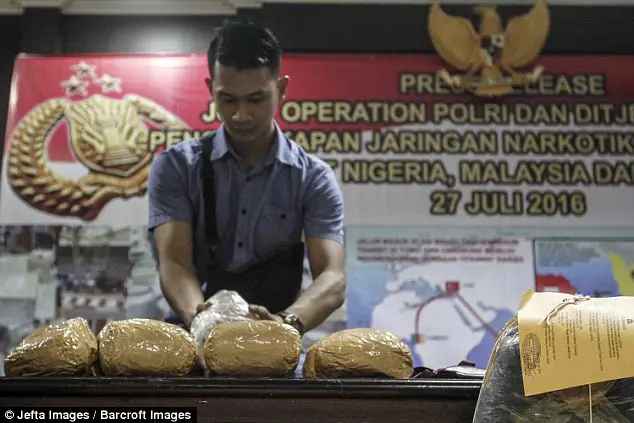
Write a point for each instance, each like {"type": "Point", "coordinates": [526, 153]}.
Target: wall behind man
{"type": "Point", "coordinates": [9, 46]}
{"type": "Point", "coordinates": [308, 28]}
{"type": "Point", "coordinates": [305, 28]}
{"type": "Point", "coordinates": [340, 28]}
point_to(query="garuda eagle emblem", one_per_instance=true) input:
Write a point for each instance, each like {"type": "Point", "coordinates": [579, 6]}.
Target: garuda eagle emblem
{"type": "Point", "coordinates": [489, 57]}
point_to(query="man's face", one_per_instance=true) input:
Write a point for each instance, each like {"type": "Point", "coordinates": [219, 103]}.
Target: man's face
{"type": "Point", "coordinates": [246, 100]}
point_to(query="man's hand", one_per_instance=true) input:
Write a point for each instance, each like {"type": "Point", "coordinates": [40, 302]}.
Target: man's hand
{"type": "Point", "coordinates": [263, 313]}
{"type": "Point", "coordinates": [323, 233]}
{"type": "Point", "coordinates": [170, 216]}
{"type": "Point", "coordinates": [328, 290]}
{"type": "Point", "coordinates": [179, 284]}
{"type": "Point", "coordinates": [202, 307]}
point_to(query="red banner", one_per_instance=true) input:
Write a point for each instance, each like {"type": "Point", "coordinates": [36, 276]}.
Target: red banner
{"type": "Point", "coordinates": [82, 132]}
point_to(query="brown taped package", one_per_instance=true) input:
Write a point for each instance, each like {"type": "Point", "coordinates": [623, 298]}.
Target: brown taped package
{"type": "Point", "coordinates": [67, 348]}
{"type": "Point", "coordinates": [252, 349]}
{"type": "Point", "coordinates": [145, 347]}
{"type": "Point", "coordinates": [358, 352]}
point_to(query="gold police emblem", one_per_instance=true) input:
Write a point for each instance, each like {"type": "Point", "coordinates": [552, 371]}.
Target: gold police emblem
{"type": "Point", "coordinates": [108, 136]}
{"type": "Point", "coordinates": [489, 57]}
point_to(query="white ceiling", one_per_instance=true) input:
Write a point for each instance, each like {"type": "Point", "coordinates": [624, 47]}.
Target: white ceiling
{"type": "Point", "coordinates": [229, 7]}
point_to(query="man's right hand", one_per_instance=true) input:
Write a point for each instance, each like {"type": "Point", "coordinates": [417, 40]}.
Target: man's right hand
{"type": "Point", "coordinates": [170, 214]}
{"type": "Point", "coordinates": [179, 284]}
{"type": "Point", "coordinates": [202, 307]}
{"type": "Point", "coordinates": [199, 309]}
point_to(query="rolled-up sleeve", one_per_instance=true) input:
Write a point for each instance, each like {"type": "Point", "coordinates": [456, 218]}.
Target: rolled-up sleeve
{"type": "Point", "coordinates": [323, 206]}
{"type": "Point", "coordinates": [167, 192]}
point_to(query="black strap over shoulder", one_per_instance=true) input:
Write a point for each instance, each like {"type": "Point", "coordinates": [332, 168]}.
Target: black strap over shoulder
{"type": "Point", "coordinates": [209, 191]}
{"type": "Point", "coordinates": [275, 284]}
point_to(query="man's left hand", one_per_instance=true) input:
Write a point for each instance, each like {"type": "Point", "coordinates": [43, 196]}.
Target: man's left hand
{"type": "Point", "coordinates": [263, 313]}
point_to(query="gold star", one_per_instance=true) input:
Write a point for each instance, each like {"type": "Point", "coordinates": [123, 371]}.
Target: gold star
{"type": "Point", "coordinates": [83, 69]}
{"type": "Point", "coordinates": [108, 83]}
{"type": "Point", "coordinates": [75, 86]}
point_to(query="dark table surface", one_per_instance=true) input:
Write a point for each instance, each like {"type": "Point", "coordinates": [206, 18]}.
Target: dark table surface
{"type": "Point", "coordinates": [259, 400]}
{"type": "Point", "coordinates": [290, 388]}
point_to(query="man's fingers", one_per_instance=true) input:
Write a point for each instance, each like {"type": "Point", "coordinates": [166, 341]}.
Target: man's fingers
{"type": "Point", "coordinates": [260, 311]}
{"type": "Point", "coordinates": [257, 310]}
{"type": "Point", "coordinates": [202, 307]}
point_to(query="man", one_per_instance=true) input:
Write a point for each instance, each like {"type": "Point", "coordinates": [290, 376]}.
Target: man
{"type": "Point", "coordinates": [228, 210]}
{"type": "Point", "coordinates": [5, 344]}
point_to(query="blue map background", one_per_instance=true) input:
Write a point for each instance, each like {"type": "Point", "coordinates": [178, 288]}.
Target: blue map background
{"type": "Point", "coordinates": [367, 289]}
{"type": "Point", "coordinates": [585, 264]}
{"type": "Point", "coordinates": [584, 256]}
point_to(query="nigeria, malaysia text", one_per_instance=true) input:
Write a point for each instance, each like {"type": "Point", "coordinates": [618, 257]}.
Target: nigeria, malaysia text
{"type": "Point", "coordinates": [535, 173]}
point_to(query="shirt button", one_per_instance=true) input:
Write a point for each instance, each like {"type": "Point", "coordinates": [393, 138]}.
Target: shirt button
{"type": "Point", "coordinates": [248, 178]}
{"type": "Point", "coordinates": [243, 211]}
{"type": "Point", "coordinates": [240, 244]}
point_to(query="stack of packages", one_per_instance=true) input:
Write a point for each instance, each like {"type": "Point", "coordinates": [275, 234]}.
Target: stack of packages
{"type": "Point", "coordinates": [234, 344]}
{"type": "Point", "coordinates": [562, 359]}
{"type": "Point", "coordinates": [134, 347]}
{"type": "Point", "coordinates": [225, 338]}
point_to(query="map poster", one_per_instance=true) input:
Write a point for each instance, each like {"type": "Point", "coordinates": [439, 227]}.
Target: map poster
{"type": "Point", "coordinates": [446, 295]}
{"type": "Point", "coordinates": [598, 268]}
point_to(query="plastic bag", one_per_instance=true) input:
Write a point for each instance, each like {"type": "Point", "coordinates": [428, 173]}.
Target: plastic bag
{"type": "Point", "coordinates": [145, 347]}
{"type": "Point", "coordinates": [226, 306]}
{"type": "Point", "coordinates": [67, 348]}
{"type": "Point", "coordinates": [359, 352]}
{"type": "Point", "coordinates": [253, 349]}
{"type": "Point", "coordinates": [502, 397]}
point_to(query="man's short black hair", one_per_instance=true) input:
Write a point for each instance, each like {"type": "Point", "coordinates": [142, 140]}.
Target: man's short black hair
{"type": "Point", "coordinates": [244, 45]}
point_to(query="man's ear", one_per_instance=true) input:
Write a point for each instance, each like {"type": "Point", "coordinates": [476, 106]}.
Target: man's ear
{"type": "Point", "coordinates": [282, 85]}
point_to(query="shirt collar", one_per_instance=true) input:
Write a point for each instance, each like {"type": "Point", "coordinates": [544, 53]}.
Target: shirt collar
{"type": "Point", "coordinates": [282, 150]}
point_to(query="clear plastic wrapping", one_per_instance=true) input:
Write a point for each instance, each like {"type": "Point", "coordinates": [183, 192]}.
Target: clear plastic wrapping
{"type": "Point", "coordinates": [67, 348]}
{"type": "Point", "coordinates": [252, 349]}
{"type": "Point", "coordinates": [144, 347]}
{"type": "Point", "coordinates": [502, 395]}
{"type": "Point", "coordinates": [359, 352]}
{"type": "Point", "coordinates": [223, 307]}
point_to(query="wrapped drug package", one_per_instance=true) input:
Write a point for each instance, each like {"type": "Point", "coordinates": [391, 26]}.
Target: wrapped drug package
{"type": "Point", "coordinates": [252, 349]}
{"type": "Point", "coordinates": [233, 342]}
{"type": "Point", "coordinates": [562, 360]}
{"type": "Point", "coordinates": [145, 347]}
{"type": "Point", "coordinates": [67, 348]}
{"type": "Point", "coordinates": [223, 307]}
{"type": "Point", "coordinates": [359, 352]}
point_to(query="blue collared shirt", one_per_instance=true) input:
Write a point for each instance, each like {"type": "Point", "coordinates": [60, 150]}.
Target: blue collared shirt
{"type": "Point", "coordinates": [259, 211]}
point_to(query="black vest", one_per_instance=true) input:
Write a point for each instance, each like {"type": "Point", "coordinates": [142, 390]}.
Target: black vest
{"type": "Point", "coordinates": [274, 284]}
